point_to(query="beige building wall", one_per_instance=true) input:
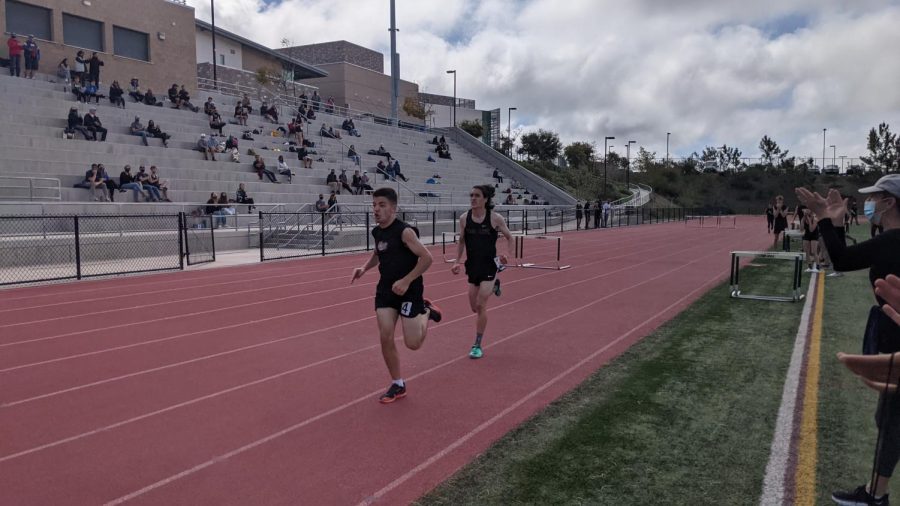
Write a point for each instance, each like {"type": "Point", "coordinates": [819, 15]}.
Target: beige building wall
{"type": "Point", "coordinates": [170, 30]}
{"type": "Point", "coordinates": [362, 89]}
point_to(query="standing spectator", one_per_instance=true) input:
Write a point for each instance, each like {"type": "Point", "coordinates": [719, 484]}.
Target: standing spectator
{"type": "Point", "coordinates": [62, 72]}
{"type": "Point", "coordinates": [160, 185]}
{"type": "Point", "coordinates": [144, 179]}
{"type": "Point", "coordinates": [770, 217]}
{"type": "Point", "coordinates": [216, 123]}
{"type": "Point", "coordinates": [94, 69]}
{"type": "Point", "coordinates": [283, 168]}
{"type": "Point", "coordinates": [32, 54]}
{"type": "Point", "coordinates": [607, 207]}
{"type": "Point", "coordinates": [316, 100]}
{"type": "Point", "coordinates": [343, 180]}
{"type": "Point", "coordinates": [207, 147]}
{"type": "Point", "coordinates": [128, 182]}
{"type": "Point", "coordinates": [321, 205]}
{"type": "Point", "coordinates": [598, 210]}
{"type": "Point", "coordinates": [81, 67]}
{"type": "Point", "coordinates": [497, 176]}
{"type": "Point", "coordinates": [76, 124]}
{"type": "Point", "coordinates": [92, 123]}
{"type": "Point", "coordinates": [329, 105]}
{"type": "Point", "coordinates": [332, 182]}
{"type": "Point", "coordinates": [332, 203]}
{"type": "Point", "coordinates": [260, 167]}
{"type": "Point", "coordinates": [578, 211]}
{"type": "Point", "coordinates": [240, 114]}
{"type": "Point", "coordinates": [154, 131]}
{"type": "Point", "coordinates": [587, 214]}
{"type": "Point", "coordinates": [881, 255]}
{"type": "Point", "coordinates": [242, 198]}
{"type": "Point", "coordinates": [138, 129]}
{"type": "Point", "coordinates": [304, 100]}
{"type": "Point", "coordinates": [15, 55]}
{"type": "Point", "coordinates": [116, 95]}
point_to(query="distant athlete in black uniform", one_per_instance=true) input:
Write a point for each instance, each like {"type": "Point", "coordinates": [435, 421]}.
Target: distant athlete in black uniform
{"type": "Point", "coordinates": [401, 261]}
{"type": "Point", "coordinates": [781, 223]}
{"type": "Point", "coordinates": [770, 217]}
{"type": "Point", "coordinates": [480, 227]}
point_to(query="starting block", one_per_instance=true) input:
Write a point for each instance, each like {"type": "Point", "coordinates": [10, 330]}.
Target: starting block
{"type": "Point", "coordinates": [796, 258]}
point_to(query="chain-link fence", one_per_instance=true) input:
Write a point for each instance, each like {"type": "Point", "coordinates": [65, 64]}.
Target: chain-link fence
{"type": "Point", "coordinates": [46, 248]}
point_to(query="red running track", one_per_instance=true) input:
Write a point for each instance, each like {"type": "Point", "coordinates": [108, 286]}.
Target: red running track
{"type": "Point", "coordinates": [259, 384]}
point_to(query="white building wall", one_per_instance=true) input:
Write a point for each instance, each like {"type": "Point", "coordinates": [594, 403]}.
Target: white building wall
{"type": "Point", "coordinates": [230, 49]}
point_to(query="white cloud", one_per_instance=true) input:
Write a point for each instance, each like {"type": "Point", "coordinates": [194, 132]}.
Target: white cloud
{"type": "Point", "coordinates": [710, 72]}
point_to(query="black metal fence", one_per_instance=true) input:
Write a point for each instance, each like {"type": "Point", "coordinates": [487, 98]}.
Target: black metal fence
{"type": "Point", "coordinates": [36, 249]}
{"type": "Point", "coordinates": [199, 239]}
{"type": "Point", "coordinates": [293, 235]}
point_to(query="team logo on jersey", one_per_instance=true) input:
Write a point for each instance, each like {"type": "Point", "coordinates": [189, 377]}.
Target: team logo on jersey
{"type": "Point", "coordinates": [382, 246]}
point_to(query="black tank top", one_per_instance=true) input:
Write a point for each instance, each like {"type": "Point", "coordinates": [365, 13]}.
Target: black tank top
{"type": "Point", "coordinates": [481, 239]}
{"type": "Point", "coordinates": [395, 260]}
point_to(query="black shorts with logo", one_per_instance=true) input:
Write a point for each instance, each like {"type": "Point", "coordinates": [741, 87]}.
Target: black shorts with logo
{"type": "Point", "coordinates": [410, 305]}
{"type": "Point", "coordinates": [485, 270]}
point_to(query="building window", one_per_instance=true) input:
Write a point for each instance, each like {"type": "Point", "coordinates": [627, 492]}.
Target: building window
{"type": "Point", "coordinates": [82, 32]}
{"type": "Point", "coordinates": [25, 19]}
{"type": "Point", "coordinates": [131, 44]}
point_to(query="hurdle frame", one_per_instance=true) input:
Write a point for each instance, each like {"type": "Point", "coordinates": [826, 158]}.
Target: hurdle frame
{"type": "Point", "coordinates": [796, 292]}
{"type": "Point", "coordinates": [520, 252]}
{"type": "Point", "coordinates": [444, 245]}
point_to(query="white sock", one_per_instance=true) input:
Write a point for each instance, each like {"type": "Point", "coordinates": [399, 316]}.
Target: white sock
{"type": "Point", "coordinates": [399, 382]}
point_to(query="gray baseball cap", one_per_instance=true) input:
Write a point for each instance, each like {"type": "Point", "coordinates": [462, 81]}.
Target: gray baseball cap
{"type": "Point", "coordinates": [889, 184]}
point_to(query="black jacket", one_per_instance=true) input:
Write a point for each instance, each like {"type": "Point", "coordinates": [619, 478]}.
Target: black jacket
{"type": "Point", "coordinates": [92, 121]}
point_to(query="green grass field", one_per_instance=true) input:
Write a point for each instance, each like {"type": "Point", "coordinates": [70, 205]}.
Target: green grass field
{"type": "Point", "coordinates": [687, 415]}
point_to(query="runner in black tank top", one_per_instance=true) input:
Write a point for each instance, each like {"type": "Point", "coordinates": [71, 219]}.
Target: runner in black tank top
{"type": "Point", "coordinates": [780, 223]}
{"type": "Point", "coordinates": [401, 261]}
{"type": "Point", "coordinates": [480, 228]}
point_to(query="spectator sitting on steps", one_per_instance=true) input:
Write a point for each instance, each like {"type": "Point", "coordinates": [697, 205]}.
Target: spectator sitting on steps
{"type": "Point", "coordinates": [497, 176]}
{"type": "Point", "coordinates": [128, 182]}
{"type": "Point", "coordinates": [242, 198]}
{"type": "Point", "coordinates": [343, 180]}
{"type": "Point", "coordinates": [94, 182]}
{"type": "Point", "coordinates": [270, 113]}
{"type": "Point", "coordinates": [185, 98]}
{"type": "Point", "coordinates": [173, 96]}
{"type": "Point", "coordinates": [303, 156]}
{"type": "Point", "coordinates": [138, 129]}
{"type": "Point", "coordinates": [332, 182]}
{"type": "Point", "coordinates": [382, 152]}
{"type": "Point", "coordinates": [116, 95]}
{"type": "Point", "coordinates": [216, 123]}
{"type": "Point", "coordinates": [92, 123]}
{"type": "Point", "coordinates": [153, 130]}
{"type": "Point", "coordinates": [155, 182]}
{"type": "Point", "coordinates": [240, 114]}
{"type": "Point", "coordinates": [245, 101]}
{"type": "Point", "coordinates": [260, 167]}
{"type": "Point", "coordinates": [144, 179]}
{"type": "Point", "coordinates": [326, 132]}
{"type": "Point", "coordinates": [209, 107]}
{"type": "Point", "coordinates": [353, 155]}
{"type": "Point", "coordinates": [111, 184]}
{"type": "Point", "coordinates": [321, 205]}
{"type": "Point", "coordinates": [150, 98]}
{"type": "Point", "coordinates": [207, 147]}
{"type": "Point", "coordinates": [283, 168]}
{"type": "Point", "coordinates": [350, 127]}
{"type": "Point", "coordinates": [397, 172]}
{"type": "Point", "coordinates": [91, 91]}
{"type": "Point", "coordinates": [212, 205]}
{"type": "Point", "coordinates": [76, 124]}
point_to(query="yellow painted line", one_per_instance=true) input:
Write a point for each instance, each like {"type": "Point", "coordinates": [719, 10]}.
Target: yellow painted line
{"type": "Point", "coordinates": [805, 477]}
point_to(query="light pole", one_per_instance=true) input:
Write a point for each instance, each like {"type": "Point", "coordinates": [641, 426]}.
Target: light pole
{"type": "Point", "coordinates": [823, 148]}
{"type": "Point", "coordinates": [833, 153]}
{"type": "Point", "coordinates": [628, 167]}
{"type": "Point", "coordinates": [454, 95]}
{"type": "Point", "coordinates": [667, 147]}
{"type": "Point", "coordinates": [842, 162]}
{"type": "Point", "coordinates": [605, 156]}
{"type": "Point", "coordinates": [509, 132]}
{"type": "Point", "coordinates": [212, 11]}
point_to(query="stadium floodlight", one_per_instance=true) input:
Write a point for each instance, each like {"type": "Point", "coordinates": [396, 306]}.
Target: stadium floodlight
{"type": "Point", "coordinates": [509, 132]}
{"type": "Point", "coordinates": [628, 167]}
{"type": "Point", "coordinates": [667, 147]}
{"type": "Point", "coordinates": [454, 95]}
{"type": "Point", "coordinates": [605, 156]}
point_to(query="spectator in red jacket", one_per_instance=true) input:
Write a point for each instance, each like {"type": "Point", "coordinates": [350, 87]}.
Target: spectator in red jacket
{"type": "Point", "coordinates": [15, 55]}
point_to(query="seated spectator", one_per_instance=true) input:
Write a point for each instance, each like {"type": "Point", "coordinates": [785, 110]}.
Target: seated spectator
{"type": "Point", "coordinates": [134, 84]}
{"type": "Point", "coordinates": [295, 128]}
{"type": "Point", "coordinates": [342, 178]}
{"type": "Point", "coordinates": [283, 168]}
{"type": "Point", "coordinates": [224, 210]}
{"type": "Point", "coordinates": [240, 114]}
{"type": "Point", "coordinates": [116, 95]}
{"type": "Point", "coordinates": [332, 203]}
{"type": "Point", "coordinates": [260, 167]}
{"type": "Point", "coordinates": [350, 127]}
{"type": "Point", "coordinates": [510, 200]}
{"type": "Point", "coordinates": [138, 129]}
{"type": "Point", "coordinates": [321, 205]}
{"type": "Point", "coordinates": [92, 123]}
{"type": "Point", "coordinates": [353, 155]}
{"type": "Point", "coordinates": [93, 181]}
{"type": "Point", "coordinates": [76, 124]}
{"type": "Point", "coordinates": [216, 123]}
{"type": "Point", "coordinates": [246, 103]}
{"type": "Point", "coordinates": [397, 173]}
{"type": "Point", "coordinates": [324, 132]}
{"type": "Point", "coordinates": [143, 178]}
{"type": "Point", "coordinates": [128, 182]}
{"type": "Point", "coordinates": [270, 113]}
{"type": "Point", "coordinates": [329, 105]}
{"type": "Point", "coordinates": [434, 141]}
{"type": "Point", "coordinates": [497, 176]}
{"type": "Point", "coordinates": [303, 156]}
{"type": "Point", "coordinates": [364, 183]}
{"type": "Point", "coordinates": [332, 182]}
{"type": "Point", "coordinates": [302, 110]}
{"type": "Point", "coordinates": [155, 182]}
{"type": "Point", "coordinates": [173, 96]}
{"type": "Point", "coordinates": [231, 142]}
{"type": "Point", "coordinates": [303, 98]}
{"type": "Point", "coordinates": [207, 147]}
{"type": "Point", "coordinates": [212, 205]}
{"type": "Point", "coordinates": [78, 90]}
{"type": "Point", "coordinates": [185, 99]}
{"type": "Point", "coordinates": [153, 130]}
{"type": "Point", "coordinates": [209, 107]}
{"type": "Point", "coordinates": [111, 184]}
{"type": "Point", "coordinates": [150, 98]}
{"type": "Point", "coordinates": [310, 114]}
{"type": "Point", "coordinates": [92, 91]}
{"type": "Point", "coordinates": [334, 134]}
{"type": "Point", "coordinates": [235, 154]}
{"type": "Point", "coordinates": [381, 168]}
{"type": "Point", "coordinates": [443, 151]}
{"type": "Point", "coordinates": [382, 152]}
{"type": "Point", "coordinates": [442, 140]}
{"type": "Point", "coordinates": [242, 198]}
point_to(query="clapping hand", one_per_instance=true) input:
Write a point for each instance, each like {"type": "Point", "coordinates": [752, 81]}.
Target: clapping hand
{"type": "Point", "coordinates": [832, 206]}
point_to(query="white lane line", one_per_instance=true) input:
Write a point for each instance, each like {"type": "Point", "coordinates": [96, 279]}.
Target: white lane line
{"type": "Point", "coordinates": [773, 492]}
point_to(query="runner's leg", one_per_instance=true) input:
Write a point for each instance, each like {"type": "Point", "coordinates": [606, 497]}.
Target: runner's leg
{"type": "Point", "coordinates": [482, 292]}
{"type": "Point", "coordinates": [414, 331]}
{"type": "Point", "coordinates": [387, 320]}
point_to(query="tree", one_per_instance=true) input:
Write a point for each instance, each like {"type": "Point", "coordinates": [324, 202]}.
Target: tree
{"type": "Point", "coordinates": [473, 128]}
{"type": "Point", "coordinates": [883, 149]}
{"type": "Point", "coordinates": [725, 157]}
{"type": "Point", "coordinates": [645, 159]}
{"type": "Point", "coordinates": [579, 154]}
{"type": "Point", "coordinates": [770, 151]}
{"type": "Point", "coordinates": [542, 145]}
{"type": "Point", "coordinates": [505, 144]}
{"type": "Point", "coordinates": [415, 108]}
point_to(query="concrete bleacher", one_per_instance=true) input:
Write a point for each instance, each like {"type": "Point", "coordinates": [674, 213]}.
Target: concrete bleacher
{"type": "Point", "coordinates": [33, 145]}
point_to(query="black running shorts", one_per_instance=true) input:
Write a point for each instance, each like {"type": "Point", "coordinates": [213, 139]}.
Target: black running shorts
{"type": "Point", "coordinates": [410, 305]}
{"type": "Point", "coordinates": [481, 271]}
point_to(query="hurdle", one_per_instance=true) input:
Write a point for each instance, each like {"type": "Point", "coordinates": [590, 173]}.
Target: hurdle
{"type": "Point", "coordinates": [520, 252]}
{"type": "Point", "coordinates": [444, 243]}
{"type": "Point", "coordinates": [797, 258]}
{"type": "Point", "coordinates": [789, 234]}
{"type": "Point", "coordinates": [718, 221]}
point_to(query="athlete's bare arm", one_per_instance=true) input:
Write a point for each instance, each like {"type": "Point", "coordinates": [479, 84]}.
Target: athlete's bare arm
{"type": "Point", "coordinates": [499, 224]}
{"type": "Point", "coordinates": [359, 271]}
{"type": "Point", "coordinates": [460, 245]}
{"type": "Point", "coordinates": [411, 240]}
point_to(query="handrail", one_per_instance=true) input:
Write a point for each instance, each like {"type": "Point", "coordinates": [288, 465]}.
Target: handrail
{"type": "Point", "coordinates": [54, 187]}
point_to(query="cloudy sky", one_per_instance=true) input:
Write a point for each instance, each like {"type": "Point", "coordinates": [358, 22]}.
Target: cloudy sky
{"type": "Point", "coordinates": [709, 71]}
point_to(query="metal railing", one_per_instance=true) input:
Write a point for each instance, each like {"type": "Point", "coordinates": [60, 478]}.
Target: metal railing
{"type": "Point", "coordinates": [32, 188]}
